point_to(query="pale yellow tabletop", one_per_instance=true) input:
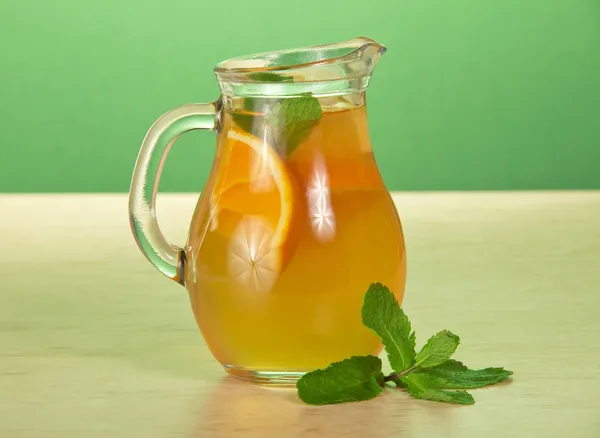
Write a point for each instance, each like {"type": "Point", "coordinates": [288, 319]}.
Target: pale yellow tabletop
{"type": "Point", "coordinates": [95, 343]}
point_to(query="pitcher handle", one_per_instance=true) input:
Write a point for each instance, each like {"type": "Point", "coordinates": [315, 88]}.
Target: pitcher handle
{"type": "Point", "coordinates": [168, 259]}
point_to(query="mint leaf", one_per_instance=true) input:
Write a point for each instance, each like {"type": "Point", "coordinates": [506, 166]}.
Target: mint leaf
{"type": "Point", "coordinates": [381, 313]}
{"type": "Point", "coordinates": [265, 76]}
{"type": "Point", "coordinates": [354, 379]}
{"type": "Point", "coordinates": [424, 387]}
{"type": "Point", "coordinates": [438, 349]}
{"type": "Point", "coordinates": [284, 123]}
{"type": "Point", "coordinates": [454, 375]}
{"type": "Point", "coordinates": [294, 118]}
{"type": "Point", "coordinates": [305, 108]}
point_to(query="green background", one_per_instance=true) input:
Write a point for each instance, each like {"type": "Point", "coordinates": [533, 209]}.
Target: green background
{"type": "Point", "coordinates": [472, 95]}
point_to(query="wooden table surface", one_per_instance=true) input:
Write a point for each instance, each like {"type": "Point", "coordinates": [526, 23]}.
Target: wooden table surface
{"type": "Point", "coordinates": [95, 343]}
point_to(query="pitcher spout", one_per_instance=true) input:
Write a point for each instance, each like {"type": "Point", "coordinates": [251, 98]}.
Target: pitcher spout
{"type": "Point", "coordinates": [370, 51]}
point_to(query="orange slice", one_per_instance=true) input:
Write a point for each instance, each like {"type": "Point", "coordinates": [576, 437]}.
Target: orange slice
{"type": "Point", "coordinates": [253, 203]}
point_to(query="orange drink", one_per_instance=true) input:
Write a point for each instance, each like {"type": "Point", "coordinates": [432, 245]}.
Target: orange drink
{"type": "Point", "coordinates": [284, 246]}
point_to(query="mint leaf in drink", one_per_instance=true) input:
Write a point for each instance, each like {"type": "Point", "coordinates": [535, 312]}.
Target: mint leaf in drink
{"type": "Point", "coordinates": [381, 313]}
{"type": "Point", "coordinates": [293, 119]}
{"type": "Point", "coordinates": [266, 76]}
{"type": "Point", "coordinates": [284, 123]}
{"type": "Point", "coordinates": [305, 108]}
{"type": "Point", "coordinates": [354, 379]}
{"type": "Point", "coordinates": [437, 350]}
{"type": "Point", "coordinates": [425, 387]}
{"type": "Point", "coordinates": [454, 375]}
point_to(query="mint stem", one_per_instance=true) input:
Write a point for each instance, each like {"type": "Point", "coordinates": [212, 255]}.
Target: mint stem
{"type": "Point", "coordinates": [392, 377]}
{"type": "Point", "coordinates": [397, 376]}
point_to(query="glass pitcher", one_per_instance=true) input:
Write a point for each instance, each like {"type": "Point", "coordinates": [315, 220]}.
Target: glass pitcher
{"type": "Point", "coordinates": [294, 222]}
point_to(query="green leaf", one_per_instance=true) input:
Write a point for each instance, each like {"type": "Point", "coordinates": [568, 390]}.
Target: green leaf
{"type": "Point", "coordinates": [294, 118]}
{"type": "Point", "coordinates": [354, 379]}
{"type": "Point", "coordinates": [305, 108]}
{"type": "Point", "coordinates": [381, 313]}
{"type": "Point", "coordinates": [454, 375]}
{"type": "Point", "coordinates": [285, 123]}
{"type": "Point", "coordinates": [265, 76]}
{"type": "Point", "coordinates": [424, 387]}
{"type": "Point", "coordinates": [438, 349]}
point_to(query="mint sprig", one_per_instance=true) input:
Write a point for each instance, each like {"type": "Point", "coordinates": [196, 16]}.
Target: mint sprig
{"type": "Point", "coordinates": [292, 120]}
{"type": "Point", "coordinates": [283, 123]}
{"type": "Point", "coordinates": [428, 375]}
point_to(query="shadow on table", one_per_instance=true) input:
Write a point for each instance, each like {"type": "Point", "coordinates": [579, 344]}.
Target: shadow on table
{"type": "Point", "coordinates": [237, 408]}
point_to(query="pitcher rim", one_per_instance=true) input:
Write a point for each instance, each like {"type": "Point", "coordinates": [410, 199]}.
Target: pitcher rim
{"type": "Point", "coordinates": [358, 46]}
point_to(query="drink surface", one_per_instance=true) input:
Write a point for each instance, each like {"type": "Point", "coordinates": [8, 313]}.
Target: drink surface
{"type": "Point", "coordinates": [284, 244]}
